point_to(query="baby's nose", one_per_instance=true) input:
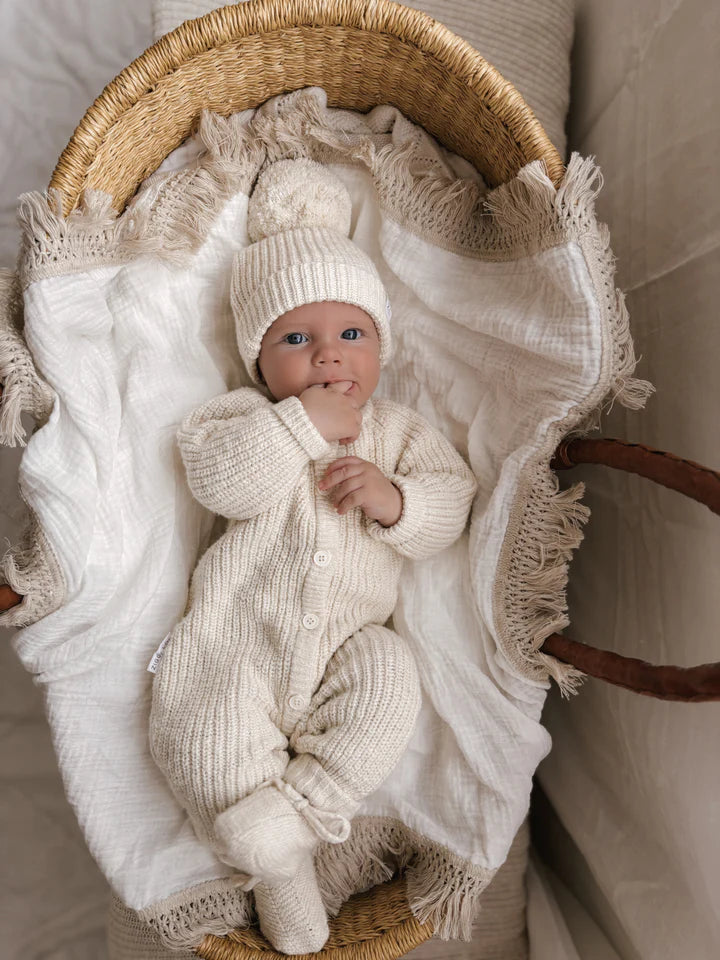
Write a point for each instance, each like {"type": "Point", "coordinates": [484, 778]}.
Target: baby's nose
{"type": "Point", "coordinates": [328, 354]}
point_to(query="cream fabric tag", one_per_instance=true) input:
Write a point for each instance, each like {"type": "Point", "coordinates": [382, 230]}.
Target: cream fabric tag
{"type": "Point", "coordinates": [157, 656]}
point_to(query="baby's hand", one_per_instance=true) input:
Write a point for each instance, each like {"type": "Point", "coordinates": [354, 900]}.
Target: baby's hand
{"type": "Point", "coordinates": [357, 483]}
{"type": "Point", "coordinates": [336, 416]}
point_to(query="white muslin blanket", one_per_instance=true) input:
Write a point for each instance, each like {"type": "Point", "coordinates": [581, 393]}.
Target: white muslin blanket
{"type": "Point", "coordinates": [508, 335]}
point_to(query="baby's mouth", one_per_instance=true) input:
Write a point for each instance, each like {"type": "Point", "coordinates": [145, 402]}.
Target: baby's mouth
{"type": "Point", "coordinates": [349, 384]}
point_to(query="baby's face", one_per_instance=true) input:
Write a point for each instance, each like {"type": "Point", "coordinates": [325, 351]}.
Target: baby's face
{"type": "Point", "coordinates": [321, 343]}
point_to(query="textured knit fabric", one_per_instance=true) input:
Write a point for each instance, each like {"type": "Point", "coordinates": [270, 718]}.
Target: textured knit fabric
{"type": "Point", "coordinates": [292, 915]}
{"type": "Point", "coordinates": [307, 265]}
{"type": "Point", "coordinates": [283, 641]}
{"type": "Point", "coordinates": [299, 218]}
{"type": "Point", "coordinates": [294, 193]}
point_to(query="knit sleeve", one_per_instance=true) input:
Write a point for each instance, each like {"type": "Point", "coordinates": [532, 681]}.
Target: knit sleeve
{"type": "Point", "coordinates": [437, 490]}
{"type": "Point", "coordinates": [243, 453]}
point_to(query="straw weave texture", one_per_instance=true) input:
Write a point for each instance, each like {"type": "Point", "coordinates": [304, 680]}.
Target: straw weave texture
{"type": "Point", "coordinates": [376, 925]}
{"type": "Point", "coordinates": [363, 55]}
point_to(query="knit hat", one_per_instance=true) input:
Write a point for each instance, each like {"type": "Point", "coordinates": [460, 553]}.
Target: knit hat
{"type": "Point", "coordinates": [298, 223]}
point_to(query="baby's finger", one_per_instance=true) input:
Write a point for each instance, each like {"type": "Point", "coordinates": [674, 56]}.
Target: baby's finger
{"type": "Point", "coordinates": [353, 499]}
{"type": "Point", "coordinates": [342, 473]}
{"type": "Point", "coordinates": [339, 464]}
{"type": "Point", "coordinates": [340, 386]}
{"type": "Point", "coordinates": [341, 461]}
{"type": "Point", "coordinates": [343, 489]}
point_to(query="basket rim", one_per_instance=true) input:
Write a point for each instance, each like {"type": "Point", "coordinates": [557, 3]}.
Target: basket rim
{"type": "Point", "coordinates": [392, 941]}
{"type": "Point", "coordinates": [258, 17]}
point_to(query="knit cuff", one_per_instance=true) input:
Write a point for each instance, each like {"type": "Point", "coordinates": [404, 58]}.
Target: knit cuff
{"type": "Point", "coordinates": [294, 415]}
{"type": "Point", "coordinates": [409, 527]}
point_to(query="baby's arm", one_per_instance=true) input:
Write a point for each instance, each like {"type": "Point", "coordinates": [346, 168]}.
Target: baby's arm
{"type": "Point", "coordinates": [436, 485]}
{"type": "Point", "coordinates": [243, 453]}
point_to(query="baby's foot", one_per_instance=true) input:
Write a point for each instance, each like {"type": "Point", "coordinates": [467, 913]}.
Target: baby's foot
{"type": "Point", "coordinates": [292, 915]}
{"type": "Point", "coordinates": [264, 836]}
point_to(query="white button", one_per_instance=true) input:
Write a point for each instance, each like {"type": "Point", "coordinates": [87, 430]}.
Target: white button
{"type": "Point", "coordinates": [296, 702]}
{"type": "Point", "coordinates": [322, 558]}
{"type": "Point", "coordinates": [310, 621]}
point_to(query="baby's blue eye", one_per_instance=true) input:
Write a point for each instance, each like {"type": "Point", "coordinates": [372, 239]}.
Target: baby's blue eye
{"type": "Point", "coordinates": [355, 334]}
{"type": "Point", "coordinates": [295, 338]}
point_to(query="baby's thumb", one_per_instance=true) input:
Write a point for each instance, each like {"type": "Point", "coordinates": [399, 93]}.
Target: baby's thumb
{"type": "Point", "coordinates": [340, 386]}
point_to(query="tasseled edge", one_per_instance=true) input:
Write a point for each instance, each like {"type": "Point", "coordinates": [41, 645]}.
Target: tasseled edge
{"type": "Point", "coordinates": [368, 857]}
{"type": "Point", "coordinates": [31, 568]}
{"type": "Point", "coordinates": [92, 235]}
{"type": "Point", "coordinates": [184, 919]}
{"type": "Point", "coordinates": [441, 887]}
{"type": "Point", "coordinates": [189, 202]}
{"type": "Point", "coordinates": [23, 390]}
{"type": "Point", "coordinates": [530, 202]}
{"type": "Point", "coordinates": [530, 593]}
{"type": "Point", "coordinates": [629, 391]}
{"type": "Point", "coordinates": [443, 896]}
{"type": "Point", "coordinates": [171, 217]}
{"type": "Point", "coordinates": [530, 590]}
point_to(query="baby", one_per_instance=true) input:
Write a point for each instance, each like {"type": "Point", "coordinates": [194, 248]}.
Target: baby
{"type": "Point", "coordinates": [282, 700]}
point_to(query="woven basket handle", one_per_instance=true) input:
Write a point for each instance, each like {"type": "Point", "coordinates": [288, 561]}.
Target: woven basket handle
{"type": "Point", "coordinates": [691, 684]}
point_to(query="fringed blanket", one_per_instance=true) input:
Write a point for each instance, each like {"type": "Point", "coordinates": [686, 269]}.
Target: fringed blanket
{"type": "Point", "coordinates": [509, 335]}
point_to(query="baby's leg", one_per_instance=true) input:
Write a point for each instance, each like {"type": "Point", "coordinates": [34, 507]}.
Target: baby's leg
{"type": "Point", "coordinates": [214, 739]}
{"type": "Point", "coordinates": [359, 722]}
{"type": "Point", "coordinates": [292, 914]}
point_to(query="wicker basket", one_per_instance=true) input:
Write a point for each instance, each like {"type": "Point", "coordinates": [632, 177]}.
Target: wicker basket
{"type": "Point", "coordinates": [363, 54]}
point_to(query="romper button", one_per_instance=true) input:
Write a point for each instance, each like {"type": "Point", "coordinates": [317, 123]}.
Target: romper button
{"type": "Point", "coordinates": [322, 558]}
{"type": "Point", "coordinates": [309, 621]}
{"type": "Point", "coordinates": [296, 702]}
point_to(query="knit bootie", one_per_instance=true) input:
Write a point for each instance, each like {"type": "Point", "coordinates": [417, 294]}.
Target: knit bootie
{"type": "Point", "coordinates": [292, 915]}
{"type": "Point", "coordinates": [264, 835]}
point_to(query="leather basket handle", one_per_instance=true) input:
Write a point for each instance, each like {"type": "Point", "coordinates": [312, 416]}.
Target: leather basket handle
{"type": "Point", "coordinates": [689, 684]}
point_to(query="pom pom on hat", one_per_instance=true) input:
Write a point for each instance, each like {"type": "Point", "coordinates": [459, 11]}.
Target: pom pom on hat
{"type": "Point", "coordinates": [299, 217]}
{"type": "Point", "coordinates": [298, 193]}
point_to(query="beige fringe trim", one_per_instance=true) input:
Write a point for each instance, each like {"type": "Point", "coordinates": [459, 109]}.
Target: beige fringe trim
{"type": "Point", "coordinates": [189, 202]}
{"type": "Point", "coordinates": [530, 208]}
{"type": "Point", "coordinates": [441, 887]}
{"type": "Point", "coordinates": [170, 217]}
{"type": "Point", "coordinates": [91, 236]}
{"type": "Point", "coordinates": [215, 907]}
{"type": "Point", "coordinates": [31, 568]}
{"type": "Point", "coordinates": [23, 389]}
{"type": "Point", "coordinates": [545, 526]}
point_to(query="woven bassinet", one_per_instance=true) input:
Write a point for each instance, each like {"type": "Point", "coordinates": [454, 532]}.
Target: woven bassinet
{"type": "Point", "coordinates": [363, 54]}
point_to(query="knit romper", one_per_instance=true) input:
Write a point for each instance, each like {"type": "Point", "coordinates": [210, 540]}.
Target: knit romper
{"type": "Point", "coordinates": [281, 666]}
